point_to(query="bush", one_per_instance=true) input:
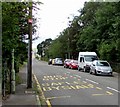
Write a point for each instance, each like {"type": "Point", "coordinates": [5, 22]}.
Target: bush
{"type": "Point", "coordinates": [115, 66]}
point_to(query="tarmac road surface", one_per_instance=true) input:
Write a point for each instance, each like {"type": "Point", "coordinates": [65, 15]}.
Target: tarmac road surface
{"type": "Point", "coordinates": [63, 86]}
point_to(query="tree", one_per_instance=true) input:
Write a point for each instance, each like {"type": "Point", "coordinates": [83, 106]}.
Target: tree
{"type": "Point", "coordinates": [95, 29]}
{"type": "Point", "coordinates": [43, 47]}
{"type": "Point", "coordinates": [14, 30]}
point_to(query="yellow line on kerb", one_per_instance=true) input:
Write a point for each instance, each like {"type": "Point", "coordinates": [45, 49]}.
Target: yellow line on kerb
{"type": "Point", "coordinates": [40, 89]}
{"type": "Point", "coordinates": [48, 103]}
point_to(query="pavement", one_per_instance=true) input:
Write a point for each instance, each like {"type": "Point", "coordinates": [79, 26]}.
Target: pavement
{"type": "Point", "coordinates": [23, 97]}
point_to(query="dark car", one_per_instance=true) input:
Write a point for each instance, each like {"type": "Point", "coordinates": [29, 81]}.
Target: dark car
{"type": "Point", "coordinates": [50, 61]}
{"type": "Point", "coordinates": [66, 63]}
{"type": "Point", "coordinates": [73, 64]}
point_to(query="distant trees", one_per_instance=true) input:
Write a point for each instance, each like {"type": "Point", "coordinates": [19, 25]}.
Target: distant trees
{"type": "Point", "coordinates": [95, 29]}
{"type": "Point", "coordinates": [43, 48]}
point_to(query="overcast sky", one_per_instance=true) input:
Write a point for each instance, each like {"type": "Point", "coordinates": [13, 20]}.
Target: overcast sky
{"type": "Point", "coordinates": [52, 18]}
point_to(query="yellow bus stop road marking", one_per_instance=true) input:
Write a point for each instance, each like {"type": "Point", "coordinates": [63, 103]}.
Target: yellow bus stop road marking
{"type": "Point", "coordinates": [97, 94]}
{"type": "Point", "coordinates": [98, 88]}
{"type": "Point", "coordinates": [58, 97]}
{"type": "Point", "coordinates": [109, 93]}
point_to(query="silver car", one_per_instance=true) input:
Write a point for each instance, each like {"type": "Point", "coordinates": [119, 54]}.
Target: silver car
{"type": "Point", "coordinates": [58, 61]}
{"type": "Point", "coordinates": [101, 67]}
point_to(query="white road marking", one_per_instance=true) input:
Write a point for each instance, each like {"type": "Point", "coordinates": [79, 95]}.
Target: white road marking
{"type": "Point", "coordinates": [113, 89]}
{"type": "Point", "coordinates": [78, 76]}
{"type": "Point", "coordinates": [92, 81]}
{"type": "Point", "coordinates": [84, 82]}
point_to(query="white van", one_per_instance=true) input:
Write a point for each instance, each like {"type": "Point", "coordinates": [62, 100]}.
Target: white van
{"type": "Point", "coordinates": [85, 59]}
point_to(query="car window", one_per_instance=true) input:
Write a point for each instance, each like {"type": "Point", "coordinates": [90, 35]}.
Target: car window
{"type": "Point", "coordinates": [58, 59]}
{"type": "Point", "coordinates": [75, 61]}
{"type": "Point", "coordinates": [102, 64]}
{"type": "Point", "coordinates": [68, 60]}
{"type": "Point", "coordinates": [90, 58]}
{"type": "Point", "coordinates": [81, 59]}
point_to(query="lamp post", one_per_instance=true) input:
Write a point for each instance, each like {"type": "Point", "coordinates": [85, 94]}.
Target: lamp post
{"type": "Point", "coordinates": [68, 44]}
{"type": "Point", "coordinates": [68, 48]}
{"type": "Point", "coordinates": [13, 73]}
{"type": "Point", "coordinates": [29, 73]}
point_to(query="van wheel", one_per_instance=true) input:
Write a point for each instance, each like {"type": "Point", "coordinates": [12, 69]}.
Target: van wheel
{"type": "Point", "coordinates": [90, 72]}
{"type": "Point", "coordinates": [84, 69]}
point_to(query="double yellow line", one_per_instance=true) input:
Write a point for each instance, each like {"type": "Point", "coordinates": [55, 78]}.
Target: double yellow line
{"type": "Point", "coordinates": [40, 90]}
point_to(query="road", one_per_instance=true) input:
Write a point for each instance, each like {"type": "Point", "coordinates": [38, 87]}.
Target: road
{"type": "Point", "coordinates": [63, 86]}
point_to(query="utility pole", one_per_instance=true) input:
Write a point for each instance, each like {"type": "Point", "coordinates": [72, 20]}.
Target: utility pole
{"type": "Point", "coordinates": [13, 74]}
{"type": "Point", "coordinates": [29, 74]}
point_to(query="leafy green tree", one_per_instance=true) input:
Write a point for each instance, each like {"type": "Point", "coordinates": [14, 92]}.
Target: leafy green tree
{"type": "Point", "coordinates": [43, 47]}
{"type": "Point", "coordinates": [14, 33]}
{"type": "Point", "coordinates": [95, 29]}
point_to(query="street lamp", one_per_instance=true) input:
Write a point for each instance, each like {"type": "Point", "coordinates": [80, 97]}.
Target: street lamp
{"type": "Point", "coordinates": [29, 74]}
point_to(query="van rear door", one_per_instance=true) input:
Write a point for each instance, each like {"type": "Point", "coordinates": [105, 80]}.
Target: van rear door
{"type": "Point", "coordinates": [81, 62]}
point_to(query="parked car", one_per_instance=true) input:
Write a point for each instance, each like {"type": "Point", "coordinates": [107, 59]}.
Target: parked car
{"type": "Point", "coordinates": [66, 63]}
{"type": "Point", "coordinates": [100, 67]}
{"type": "Point", "coordinates": [50, 61]}
{"type": "Point", "coordinates": [73, 64]}
{"type": "Point", "coordinates": [53, 61]}
{"type": "Point", "coordinates": [85, 59]}
{"type": "Point", "coordinates": [58, 61]}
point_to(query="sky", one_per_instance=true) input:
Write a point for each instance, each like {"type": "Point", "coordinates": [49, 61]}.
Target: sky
{"type": "Point", "coordinates": [53, 17]}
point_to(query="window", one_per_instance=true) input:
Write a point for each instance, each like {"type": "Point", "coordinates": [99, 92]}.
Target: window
{"type": "Point", "coordinates": [102, 64]}
{"type": "Point", "coordinates": [81, 59]}
{"type": "Point", "coordinates": [90, 58]}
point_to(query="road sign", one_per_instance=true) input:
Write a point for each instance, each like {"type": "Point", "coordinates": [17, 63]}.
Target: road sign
{"type": "Point", "coordinates": [30, 20]}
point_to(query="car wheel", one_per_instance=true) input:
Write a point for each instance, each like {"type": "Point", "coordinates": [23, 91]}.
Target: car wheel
{"type": "Point", "coordinates": [111, 74]}
{"type": "Point", "coordinates": [69, 67]}
{"type": "Point", "coordinates": [95, 72]}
